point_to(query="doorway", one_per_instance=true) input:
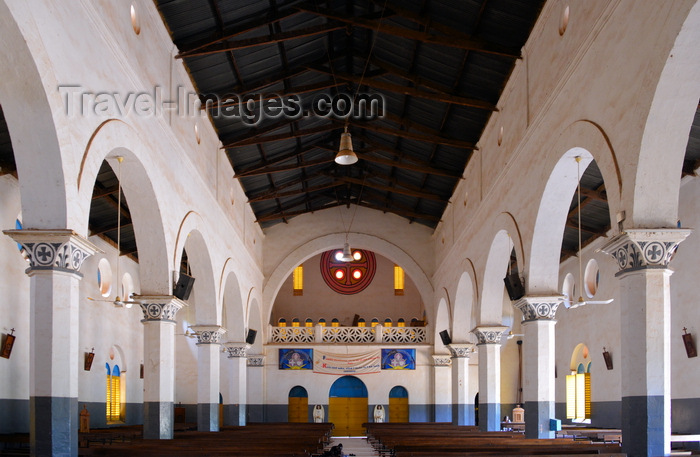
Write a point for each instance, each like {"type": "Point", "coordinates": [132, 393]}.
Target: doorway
{"type": "Point", "coordinates": [348, 406]}
{"type": "Point", "coordinates": [298, 405]}
{"type": "Point", "coordinates": [398, 404]}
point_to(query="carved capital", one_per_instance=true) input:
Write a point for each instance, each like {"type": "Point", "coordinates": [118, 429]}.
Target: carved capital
{"type": "Point", "coordinates": [208, 334]}
{"type": "Point", "coordinates": [63, 250]}
{"type": "Point", "coordinates": [442, 360]}
{"type": "Point", "coordinates": [535, 308]}
{"type": "Point", "coordinates": [256, 360]}
{"type": "Point", "coordinates": [159, 307]}
{"type": "Point", "coordinates": [489, 334]}
{"type": "Point", "coordinates": [645, 248]}
{"type": "Point", "coordinates": [236, 350]}
{"type": "Point", "coordinates": [461, 350]}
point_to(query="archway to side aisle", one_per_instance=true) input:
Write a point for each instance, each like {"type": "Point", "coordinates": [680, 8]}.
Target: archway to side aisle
{"type": "Point", "coordinates": [347, 404]}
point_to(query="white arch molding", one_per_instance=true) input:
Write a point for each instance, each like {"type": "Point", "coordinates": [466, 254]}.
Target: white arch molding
{"type": "Point", "coordinates": [116, 138]}
{"type": "Point", "coordinates": [232, 304]}
{"type": "Point", "coordinates": [361, 241]}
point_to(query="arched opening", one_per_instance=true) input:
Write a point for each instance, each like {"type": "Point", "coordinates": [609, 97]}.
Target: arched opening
{"type": "Point", "coordinates": [347, 404]}
{"type": "Point", "coordinates": [298, 405]}
{"type": "Point", "coordinates": [578, 386]}
{"type": "Point", "coordinates": [398, 404]}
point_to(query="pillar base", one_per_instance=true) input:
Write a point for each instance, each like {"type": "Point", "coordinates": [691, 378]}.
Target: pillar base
{"type": "Point", "coordinates": [538, 413]}
{"type": "Point", "coordinates": [54, 426]}
{"type": "Point", "coordinates": [159, 418]}
{"type": "Point", "coordinates": [462, 414]}
{"type": "Point", "coordinates": [642, 418]}
{"type": "Point", "coordinates": [207, 417]}
{"type": "Point", "coordinates": [235, 415]}
{"type": "Point", "coordinates": [489, 417]}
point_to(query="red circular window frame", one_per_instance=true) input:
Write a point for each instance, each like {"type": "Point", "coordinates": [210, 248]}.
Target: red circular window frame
{"type": "Point", "coordinates": [348, 285]}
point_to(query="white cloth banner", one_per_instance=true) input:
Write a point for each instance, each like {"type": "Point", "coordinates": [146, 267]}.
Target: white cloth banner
{"type": "Point", "coordinates": [365, 362]}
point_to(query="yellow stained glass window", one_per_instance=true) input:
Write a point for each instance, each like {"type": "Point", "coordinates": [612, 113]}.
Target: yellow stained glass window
{"type": "Point", "coordinates": [298, 279]}
{"type": "Point", "coordinates": [398, 280]}
{"type": "Point", "coordinates": [578, 396]}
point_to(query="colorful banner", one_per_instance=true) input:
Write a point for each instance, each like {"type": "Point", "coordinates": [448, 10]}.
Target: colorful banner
{"type": "Point", "coordinates": [296, 359]}
{"type": "Point", "coordinates": [362, 363]}
{"type": "Point", "coordinates": [398, 359]}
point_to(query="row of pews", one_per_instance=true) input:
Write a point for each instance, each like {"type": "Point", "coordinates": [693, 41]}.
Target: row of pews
{"type": "Point", "coordinates": [447, 440]}
{"type": "Point", "coordinates": [253, 440]}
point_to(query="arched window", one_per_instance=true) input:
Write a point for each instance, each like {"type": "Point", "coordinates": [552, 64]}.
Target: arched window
{"type": "Point", "coordinates": [113, 397]}
{"type": "Point", "coordinates": [578, 386]}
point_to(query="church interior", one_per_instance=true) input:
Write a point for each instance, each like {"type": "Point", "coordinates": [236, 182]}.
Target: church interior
{"type": "Point", "coordinates": [252, 227]}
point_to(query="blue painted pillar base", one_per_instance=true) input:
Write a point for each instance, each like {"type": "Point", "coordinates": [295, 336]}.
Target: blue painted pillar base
{"type": "Point", "coordinates": [54, 426]}
{"type": "Point", "coordinates": [462, 414]}
{"type": "Point", "coordinates": [642, 418]}
{"type": "Point", "coordinates": [207, 417]}
{"type": "Point", "coordinates": [158, 420]}
{"type": "Point", "coordinates": [537, 416]}
{"type": "Point", "coordinates": [234, 415]}
{"type": "Point", "coordinates": [489, 417]}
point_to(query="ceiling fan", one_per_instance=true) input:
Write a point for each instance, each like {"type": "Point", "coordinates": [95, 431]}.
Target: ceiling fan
{"type": "Point", "coordinates": [118, 302]}
{"type": "Point", "coordinates": [581, 301]}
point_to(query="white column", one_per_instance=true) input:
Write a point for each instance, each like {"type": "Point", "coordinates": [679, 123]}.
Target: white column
{"type": "Point", "coordinates": [255, 377]}
{"type": "Point", "coordinates": [538, 363]}
{"type": "Point", "coordinates": [462, 406]}
{"type": "Point", "coordinates": [489, 348]}
{"type": "Point", "coordinates": [55, 258]}
{"type": "Point", "coordinates": [208, 362]}
{"type": "Point", "coordinates": [159, 364]}
{"type": "Point", "coordinates": [642, 256]}
{"type": "Point", "coordinates": [442, 387]}
{"type": "Point", "coordinates": [235, 404]}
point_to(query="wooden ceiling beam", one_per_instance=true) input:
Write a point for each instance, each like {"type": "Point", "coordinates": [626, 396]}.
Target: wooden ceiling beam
{"type": "Point", "coordinates": [453, 41]}
{"type": "Point", "coordinates": [408, 90]}
{"type": "Point", "coordinates": [400, 212]}
{"type": "Point", "coordinates": [186, 50]}
{"type": "Point", "coordinates": [284, 136]}
{"type": "Point", "coordinates": [284, 213]}
{"type": "Point", "coordinates": [262, 164]}
{"type": "Point", "coordinates": [110, 229]}
{"type": "Point", "coordinates": [411, 77]}
{"type": "Point", "coordinates": [296, 166]}
{"type": "Point", "coordinates": [434, 139]}
{"type": "Point", "coordinates": [230, 101]}
{"type": "Point", "coordinates": [398, 190]}
{"type": "Point", "coordinates": [265, 40]}
{"type": "Point", "coordinates": [292, 193]}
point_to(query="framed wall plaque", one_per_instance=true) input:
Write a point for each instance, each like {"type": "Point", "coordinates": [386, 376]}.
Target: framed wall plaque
{"type": "Point", "coordinates": [7, 345]}
{"type": "Point", "coordinates": [689, 344]}
{"type": "Point", "coordinates": [89, 357]}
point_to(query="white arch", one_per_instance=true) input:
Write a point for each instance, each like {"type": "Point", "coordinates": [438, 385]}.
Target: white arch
{"type": "Point", "coordinates": [442, 322]}
{"type": "Point", "coordinates": [506, 238]}
{"type": "Point", "coordinates": [37, 138]}
{"type": "Point", "coordinates": [191, 239]}
{"type": "Point", "coordinates": [464, 302]}
{"type": "Point", "coordinates": [115, 138]}
{"type": "Point", "coordinates": [588, 141]}
{"type": "Point", "coordinates": [234, 313]}
{"type": "Point", "coordinates": [360, 241]}
{"type": "Point", "coordinates": [665, 134]}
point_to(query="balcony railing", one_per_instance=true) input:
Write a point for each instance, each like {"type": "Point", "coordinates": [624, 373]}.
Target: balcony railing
{"type": "Point", "coordinates": [349, 335]}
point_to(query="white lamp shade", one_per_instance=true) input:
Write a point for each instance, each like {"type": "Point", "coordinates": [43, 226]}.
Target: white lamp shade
{"type": "Point", "coordinates": [346, 156]}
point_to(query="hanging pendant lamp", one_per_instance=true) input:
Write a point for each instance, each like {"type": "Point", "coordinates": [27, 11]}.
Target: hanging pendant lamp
{"type": "Point", "coordinates": [346, 156]}
{"type": "Point", "coordinates": [347, 255]}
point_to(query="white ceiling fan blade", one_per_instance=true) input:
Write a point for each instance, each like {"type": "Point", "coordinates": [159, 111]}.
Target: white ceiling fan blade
{"type": "Point", "coordinates": [600, 302]}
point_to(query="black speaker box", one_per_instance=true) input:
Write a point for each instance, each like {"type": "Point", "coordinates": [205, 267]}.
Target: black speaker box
{"type": "Point", "coordinates": [183, 288]}
{"type": "Point", "coordinates": [515, 288]}
{"type": "Point", "coordinates": [445, 337]}
{"type": "Point", "coordinates": [250, 338]}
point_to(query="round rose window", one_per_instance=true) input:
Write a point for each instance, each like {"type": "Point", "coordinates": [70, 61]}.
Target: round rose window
{"type": "Point", "coordinates": [348, 277]}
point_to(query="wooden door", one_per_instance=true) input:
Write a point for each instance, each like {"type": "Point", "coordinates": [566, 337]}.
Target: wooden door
{"type": "Point", "coordinates": [348, 414]}
{"type": "Point", "coordinates": [398, 409]}
{"type": "Point", "coordinates": [298, 409]}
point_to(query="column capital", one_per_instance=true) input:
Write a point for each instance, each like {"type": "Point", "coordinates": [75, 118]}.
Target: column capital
{"type": "Point", "coordinates": [538, 308]}
{"type": "Point", "coordinates": [442, 360]}
{"type": "Point", "coordinates": [208, 334]}
{"type": "Point", "coordinates": [634, 249]}
{"type": "Point", "coordinates": [489, 334]}
{"type": "Point", "coordinates": [159, 308]}
{"type": "Point", "coordinates": [461, 350]}
{"type": "Point", "coordinates": [236, 350]}
{"type": "Point", "coordinates": [256, 360]}
{"type": "Point", "coordinates": [62, 249]}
